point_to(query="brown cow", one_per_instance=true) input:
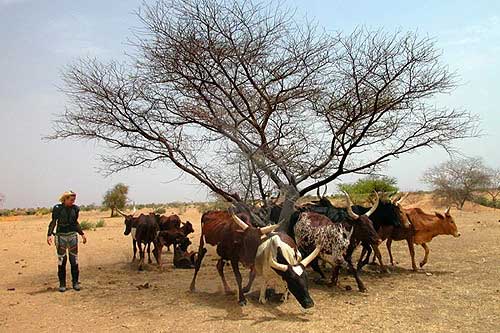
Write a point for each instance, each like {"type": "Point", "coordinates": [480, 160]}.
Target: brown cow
{"type": "Point", "coordinates": [424, 227]}
{"type": "Point", "coordinates": [236, 242]}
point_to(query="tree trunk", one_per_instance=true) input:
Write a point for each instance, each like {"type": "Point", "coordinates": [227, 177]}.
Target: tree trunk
{"type": "Point", "coordinates": [291, 195]}
{"type": "Point", "coordinates": [112, 212]}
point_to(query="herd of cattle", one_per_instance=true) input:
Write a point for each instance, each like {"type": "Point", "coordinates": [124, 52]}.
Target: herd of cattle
{"type": "Point", "coordinates": [317, 231]}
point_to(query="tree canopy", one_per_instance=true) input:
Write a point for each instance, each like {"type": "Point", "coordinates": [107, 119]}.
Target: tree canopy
{"type": "Point", "coordinates": [239, 93]}
{"type": "Point", "coordinates": [116, 198]}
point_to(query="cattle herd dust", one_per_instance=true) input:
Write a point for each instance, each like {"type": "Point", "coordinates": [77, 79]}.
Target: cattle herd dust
{"type": "Point", "coordinates": [450, 284]}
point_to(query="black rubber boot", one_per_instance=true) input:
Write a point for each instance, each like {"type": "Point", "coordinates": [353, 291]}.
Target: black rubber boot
{"type": "Point", "coordinates": [75, 273]}
{"type": "Point", "coordinates": [61, 273]}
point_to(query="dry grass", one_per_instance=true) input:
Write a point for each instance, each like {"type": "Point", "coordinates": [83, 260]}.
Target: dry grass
{"type": "Point", "coordinates": [458, 291]}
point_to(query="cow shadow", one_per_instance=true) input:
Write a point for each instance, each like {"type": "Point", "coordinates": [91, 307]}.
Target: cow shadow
{"type": "Point", "coordinates": [234, 312]}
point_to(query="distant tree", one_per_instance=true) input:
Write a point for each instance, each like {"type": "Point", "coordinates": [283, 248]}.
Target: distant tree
{"type": "Point", "coordinates": [493, 187]}
{"type": "Point", "coordinates": [369, 184]}
{"type": "Point", "coordinates": [458, 179]}
{"type": "Point", "coordinates": [116, 198]}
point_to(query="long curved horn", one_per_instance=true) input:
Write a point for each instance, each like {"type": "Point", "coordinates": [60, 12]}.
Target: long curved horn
{"type": "Point", "coordinates": [236, 219]}
{"type": "Point", "coordinates": [375, 205]}
{"type": "Point", "coordinates": [121, 213]}
{"type": "Point", "coordinates": [352, 214]}
{"type": "Point", "coordinates": [278, 266]}
{"type": "Point", "coordinates": [317, 193]}
{"type": "Point", "coordinates": [268, 229]}
{"type": "Point", "coordinates": [402, 198]}
{"type": "Point", "coordinates": [326, 189]}
{"type": "Point", "coordinates": [394, 198]}
{"type": "Point", "coordinates": [447, 211]}
{"type": "Point", "coordinates": [307, 260]}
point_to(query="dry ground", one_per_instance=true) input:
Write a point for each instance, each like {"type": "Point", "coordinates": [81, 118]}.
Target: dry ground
{"type": "Point", "coordinates": [458, 291]}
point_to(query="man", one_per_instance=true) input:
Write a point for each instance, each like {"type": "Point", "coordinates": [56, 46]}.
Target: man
{"type": "Point", "coordinates": [65, 221]}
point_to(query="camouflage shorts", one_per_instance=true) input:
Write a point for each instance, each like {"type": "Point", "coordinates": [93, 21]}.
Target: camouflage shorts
{"type": "Point", "coordinates": [67, 243]}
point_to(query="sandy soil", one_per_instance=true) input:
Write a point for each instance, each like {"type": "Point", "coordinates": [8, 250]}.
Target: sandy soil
{"type": "Point", "coordinates": [458, 291]}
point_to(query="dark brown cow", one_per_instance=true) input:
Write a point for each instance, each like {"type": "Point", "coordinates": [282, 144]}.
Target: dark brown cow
{"type": "Point", "coordinates": [183, 258]}
{"type": "Point", "coordinates": [146, 233]}
{"type": "Point", "coordinates": [236, 242]}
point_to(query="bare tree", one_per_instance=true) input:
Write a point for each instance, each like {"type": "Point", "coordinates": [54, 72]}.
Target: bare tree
{"type": "Point", "coordinates": [2, 198]}
{"type": "Point", "coordinates": [493, 186]}
{"type": "Point", "coordinates": [303, 107]}
{"type": "Point", "coordinates": [458, 179]}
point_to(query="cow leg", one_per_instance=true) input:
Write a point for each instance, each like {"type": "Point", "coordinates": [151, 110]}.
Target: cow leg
{"type": "Point", "coordinates": [220, 269]}
{"type": "Point", "coordinates": [335, 275]}
{"type": "Point", "coordinates": [315, 266]}
{"type": "Point", "coordinates": [201, 253]}
{"type": "Point", "coordinates": [383, 268]}
{"type": "Point", "coordinates": [262, 294]}
{"type": "Point", "coordinates": [149, 253]}
{"type": "Point", "coordinates": [134, 245]}
{"type": "Point", "coordinates": [141, 255]}
{"type": "Point", "coordinates": [157, 252]}
{"type": "Point", "coordinates": [426, 249]}
{"type": "Point", "coordinates": [364, 258]}
{"type": "Point", "coordinates": [389, 244]}
{"type": "Point", "coordinates": [354, 272]}
{"type": "Point", "coordinates": [251, 278]}
{"type": "Point", "coordinates": [411, 247]}
{"type": "Point", "coordinates": [236, 270]}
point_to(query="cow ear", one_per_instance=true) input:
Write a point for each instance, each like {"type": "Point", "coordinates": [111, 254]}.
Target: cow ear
{"type": "Point", "coordinates": [439, 215]}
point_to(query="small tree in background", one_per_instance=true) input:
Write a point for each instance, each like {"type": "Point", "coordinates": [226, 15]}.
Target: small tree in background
{"type": "Point", "coordinates": [493, 187]}
{"type": "Point", "coordinates": [2, 198]}
{"type": "Point", "coordinates": [458, 179]}
{"type": "Point", "coordinates": [369, 184]}
{"type": "Point", "coordinates": [116, 198]}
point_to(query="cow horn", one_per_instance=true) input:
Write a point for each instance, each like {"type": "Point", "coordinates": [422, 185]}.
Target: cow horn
{"type": "Point", "coordinates": [268, 229]}
{"type": "Point", "coordinates": [375, 205]}
{"type": "Point", "coordinates": [242, 224]}
{"type": "Point", "coordinates": [121, 213]}
{"type": "Point", "coordinates": [447, 211]}
{"type": "Point", "coordinates": [402, 198]}
{"type": "Point", "coordinates": [352, 214]}
{"type": "Point", "coordinates": [278, 266]}
{"type": "Point", "coordinates": [307, 260]}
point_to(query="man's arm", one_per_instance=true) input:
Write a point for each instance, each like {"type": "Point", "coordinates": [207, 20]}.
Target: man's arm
{"type": "Point", "coordinates": [52, 224]}
{"type": "Point", "coordinates": [78, 227]}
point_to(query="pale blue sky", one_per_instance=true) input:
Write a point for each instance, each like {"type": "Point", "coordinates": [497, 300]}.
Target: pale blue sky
{"type": "Point", "coordinates": [38, 38]}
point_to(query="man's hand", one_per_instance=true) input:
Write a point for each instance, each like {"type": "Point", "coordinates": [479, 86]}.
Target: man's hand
{"type": "Point", "coordinates": [50, 239]}
{"type": "Point", "coordinates": [84, 239]}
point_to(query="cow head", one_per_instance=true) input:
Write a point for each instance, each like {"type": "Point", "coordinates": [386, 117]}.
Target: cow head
{"type": "Point", "coordinates": [129, 221]}
{"type": "Point", "coordinates": [184, 244]}
{"type": "Point", "coordinates": [448, 223]}
{"type": "Point", "coordinates": [405, 222]}
{"type": "Point", "coordinates": [250, 238]}
{"type": "Point", "coordinates": [187, 228]}
{"type": "Point", "coordinates": [295, 276]}
{"type": "Point", "coordinates": [363, 227]}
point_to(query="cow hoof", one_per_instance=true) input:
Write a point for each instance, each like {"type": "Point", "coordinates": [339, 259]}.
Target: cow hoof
{"type": "Point", "coordinates": [242, 302]}
{"type": "Point", "coordinates": [363, 290]}
{"type": "Point", "coordinates": [320, 281]}
{"type": "Point", "coordinates": [422, 264]}
{"type": "Point", "coordinates": [140, 269]}
{"type": "Point", "coordinates": [262, 301]}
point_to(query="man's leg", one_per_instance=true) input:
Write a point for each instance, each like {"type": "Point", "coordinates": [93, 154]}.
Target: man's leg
{"type": "Point", "coordinates": [73, 260]}
{"type": "Point", "coordinates": [61, 266]}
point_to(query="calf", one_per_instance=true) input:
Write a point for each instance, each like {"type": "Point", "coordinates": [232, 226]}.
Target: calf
{"type": "Point", "coordinates": [146, 233]}
{"type": "Point", "coordinates": [424, 227]}
{"type": "Point", "coordinates": [130, 229]}
{"type": "Point", "coordinates": [182, 257]}
{"type": "Point", "coordinates": [236, 242]}
{"type": "Point", "coordinates": [279, 255]}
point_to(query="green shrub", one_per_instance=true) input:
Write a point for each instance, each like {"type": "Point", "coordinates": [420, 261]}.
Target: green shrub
{"type": "Point", "coordinates": [86, 225]}
{"type": "Point", "coordinates": [160, 210]}
{"type": "Point", "coordinates": [100, 223]}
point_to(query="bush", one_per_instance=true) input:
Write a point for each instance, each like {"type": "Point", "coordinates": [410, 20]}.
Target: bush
{"type": "Point", "coordinates": [160, 210]}
{"type": "Point", "coordinates": [86, 225]}
{"type": "Point", "coordinates": [369, 184]}
{"type": "Point", "coordinates": [100, 223]}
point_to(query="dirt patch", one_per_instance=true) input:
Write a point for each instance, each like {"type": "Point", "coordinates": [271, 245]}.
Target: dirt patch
{"type": "Point", "coordinates": [458, 291]}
